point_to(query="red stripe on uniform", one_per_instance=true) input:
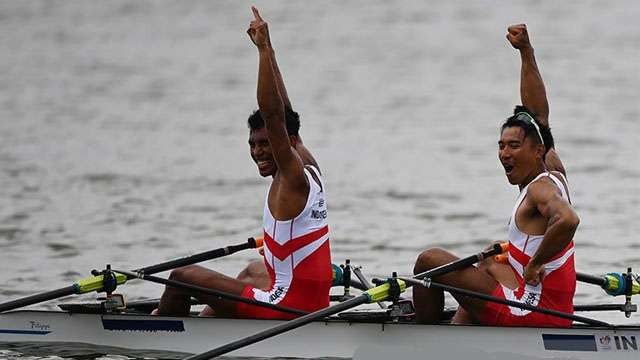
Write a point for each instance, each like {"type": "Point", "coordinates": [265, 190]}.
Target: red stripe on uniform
{"type": "Point", "coordinates": [282, 251]}
{"type": "Point", "coordinates": [561, 253]}
{"type": "Point", "coordinates": [523, 258]}
{"type": "Point", "coordinates": [518, 255]}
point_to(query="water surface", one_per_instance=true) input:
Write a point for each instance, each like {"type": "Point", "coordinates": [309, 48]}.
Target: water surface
{"type": "Point", "coordinates": [123, 135]}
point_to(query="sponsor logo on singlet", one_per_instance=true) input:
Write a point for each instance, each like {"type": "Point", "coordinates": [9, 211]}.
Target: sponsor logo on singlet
{"type": "Point", "coordinates": [532, 299]}
{"type": "Point", "coordinates": [276, 294]}
{"type": "Point", "coordinates": [318, 214]}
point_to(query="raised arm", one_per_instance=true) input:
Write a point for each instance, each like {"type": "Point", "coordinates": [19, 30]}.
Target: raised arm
{"type": "Point", "coordinates": [276, 70]}
{"type": "Point", "coordinates": [271, 106]}
{"type": "Point", "coordinates": [532, 91]}
{"type": "Point", "coordinates": [561, 226]}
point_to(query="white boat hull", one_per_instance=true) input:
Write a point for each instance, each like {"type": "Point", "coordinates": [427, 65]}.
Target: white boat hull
{"type": "Point", "coordinates": [332, 338]}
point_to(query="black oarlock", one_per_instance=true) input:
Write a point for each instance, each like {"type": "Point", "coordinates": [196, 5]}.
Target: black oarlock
{"type": "Point", "coordinates": [394, 288]}
{"type": "Point", "coordinates": [109, 281]}
{"type": "Point", "coordinates": [628, 291]}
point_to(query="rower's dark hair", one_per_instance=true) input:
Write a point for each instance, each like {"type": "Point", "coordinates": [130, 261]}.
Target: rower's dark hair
{"type": "Point", "coordinates": [292, 121]}
{"type": "Point", "coordinates": [530, 130]}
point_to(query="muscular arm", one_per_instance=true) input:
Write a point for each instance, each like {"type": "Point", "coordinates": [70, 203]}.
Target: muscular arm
{"type": "Point", "coordinates": [271, 105]}
{"type": "Point", "coordinates": [532, 91]}
{"type": "Point", "coordinates": [272, 110]}
{"type": "Point", "coordinates": [562, 221]}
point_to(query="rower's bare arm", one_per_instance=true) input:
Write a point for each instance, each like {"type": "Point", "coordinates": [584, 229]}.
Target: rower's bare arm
{"type": "Point", "coordinates": [276, 70]}
{"type": "Point", "coordinates": [532, 91]}
{"type": "Point", "coordinates": [562, 220]}
{"type": "Point", "coordinates": [303, 152]}
{"type": "Point", "coordinates": [271, 106]}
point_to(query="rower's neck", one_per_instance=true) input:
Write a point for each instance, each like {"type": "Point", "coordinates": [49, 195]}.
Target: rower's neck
{"type": "Point", "coordinates": [539, 170]}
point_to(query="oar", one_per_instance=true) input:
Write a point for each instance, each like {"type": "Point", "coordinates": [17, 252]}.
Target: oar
{"type": "Point", "coordinates": [376, 294]}
{"type": "Point", "coordinates": [251, 243]}
{"type": "Point", "coordinates": [95, 283]}
{"type": "Point", "coordinates": [452, 289]}
{"type": "Point", "coordinates": [210, 292]}
{"type": "Point", "coordinates": [613, 283]}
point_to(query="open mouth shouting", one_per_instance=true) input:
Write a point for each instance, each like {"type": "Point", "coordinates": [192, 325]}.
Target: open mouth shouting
{"type": "Point", "coordinates": [508, 168]}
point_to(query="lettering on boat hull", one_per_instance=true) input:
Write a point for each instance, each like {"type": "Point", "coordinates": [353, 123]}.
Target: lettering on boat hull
{"type": "Point", "coordinates": [143, 325]}
{"type": "Point", "coordinates": [609, 341]}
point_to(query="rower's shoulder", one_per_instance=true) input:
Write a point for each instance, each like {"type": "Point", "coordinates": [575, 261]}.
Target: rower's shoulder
{"type": "Point", "coordinates": [313, 167]}
{"type": "Point", "coordinates": [559, 175]}
{"type": "Point", "coordinates": [541, 187]}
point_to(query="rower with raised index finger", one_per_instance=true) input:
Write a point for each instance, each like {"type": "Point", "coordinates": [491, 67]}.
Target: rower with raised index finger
{"type": "Point", "coordinates": [296, 270]}
{"type": "Point", "coordinates": [540, 269]}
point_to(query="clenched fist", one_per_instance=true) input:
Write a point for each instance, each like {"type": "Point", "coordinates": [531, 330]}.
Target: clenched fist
{"type": "Point", "coordinates": [518, 36]}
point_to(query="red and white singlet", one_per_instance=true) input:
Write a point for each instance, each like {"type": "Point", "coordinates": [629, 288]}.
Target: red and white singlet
{"type": "Point", "coordinates": [297, 257]}
{"type": "Point", "coordinates": [558, 285]}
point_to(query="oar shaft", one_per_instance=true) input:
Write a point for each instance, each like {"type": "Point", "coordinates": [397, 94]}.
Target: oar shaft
{"type": "Point", "coordinates": [460, 264]}
{"type": "Point", "coordinates": [475, 294]}
{"type": "Point", "coordinates": [34, 299]}
{"type": "Point", "coordinates": [613, 284]}
{"type": "Point", "coordinates": [79, 288]}
{"type": "Point", "coordinates": [379, 293]}
{"type": "Point", "coordinates": [591, 279]}
{"type": "Point", "coordinates": [279, 329]}
{"type": "Point", "coordinates": [193, 259]}
{"type": "Point", "coordinates": [212, 292]}
{"type": "Point", "coordinates": [600, 307]}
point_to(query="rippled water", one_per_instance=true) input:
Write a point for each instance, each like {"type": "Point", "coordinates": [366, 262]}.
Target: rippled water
{"type": "Point", "coordinates": [123, 136]}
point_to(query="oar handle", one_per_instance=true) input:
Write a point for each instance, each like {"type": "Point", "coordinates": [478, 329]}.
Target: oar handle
{"type": "Point", "coordinates": [34, 299]}
{"type": "Point", "coordinates": [193, 259]}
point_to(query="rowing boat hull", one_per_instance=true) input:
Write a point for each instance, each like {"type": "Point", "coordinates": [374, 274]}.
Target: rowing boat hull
{"type": "Point", "coordinates": [330, 338]}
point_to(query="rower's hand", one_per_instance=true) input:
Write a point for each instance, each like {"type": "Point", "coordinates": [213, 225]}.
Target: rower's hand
{"type": "Point", "coordinates": [258, 30]}
{"type": "Point", "coordinates": [533, 274]}
{"type": "Point", "coordinates": [518, 36]}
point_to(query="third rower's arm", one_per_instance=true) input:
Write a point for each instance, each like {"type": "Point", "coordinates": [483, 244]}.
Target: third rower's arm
{"type": "Point", "coordinates": [562, 222]}
{"type": "Point", "coordinates": [532, 91]}
{"type": "Point", "coordinates": [278, 76]}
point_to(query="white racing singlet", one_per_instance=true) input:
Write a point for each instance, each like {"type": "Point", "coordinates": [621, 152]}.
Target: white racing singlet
{"type": "Point", "coordinates": [557, 288]}
{"type": "Point", "coordinates": [297, 253]}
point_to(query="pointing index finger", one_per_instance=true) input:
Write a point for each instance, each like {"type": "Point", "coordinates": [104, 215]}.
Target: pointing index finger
{"type": "Point", "coordinates": [256, 14]}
